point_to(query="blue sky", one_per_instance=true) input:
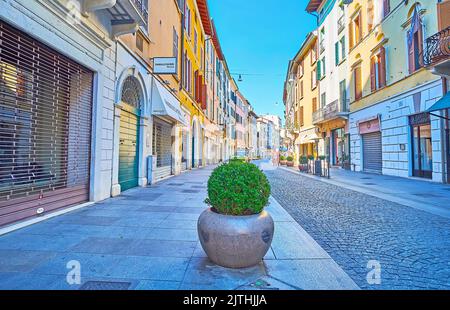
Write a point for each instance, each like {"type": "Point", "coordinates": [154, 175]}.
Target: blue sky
{"type": "Point", "coordinates": [259, 37]}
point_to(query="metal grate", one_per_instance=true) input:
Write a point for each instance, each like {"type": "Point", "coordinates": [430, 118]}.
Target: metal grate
{"type": "Point", "coordinates": [45, 120]}
{"type": "Point", "coordinates": [105, 286]}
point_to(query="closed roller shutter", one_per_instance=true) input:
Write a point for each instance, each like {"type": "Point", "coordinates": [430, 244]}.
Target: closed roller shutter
{"type": "Point", "coordinates": [372, 152]}
{"type": "Point", "coordinates": [128, 148]}
{"type": "Point", "coordinates": [162, 148]}
{"type": "Point", "coordinates": [45, 125]}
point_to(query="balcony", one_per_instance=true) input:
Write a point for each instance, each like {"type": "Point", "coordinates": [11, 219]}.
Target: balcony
{"type": "Point", "coordinates": [126, 15]}
{"type": "Point", "coordinates": [341, 24]}
{"type": "Point", "coordinates": [330, 112]}
{"type": "Point", "coordinates": [437, 52]}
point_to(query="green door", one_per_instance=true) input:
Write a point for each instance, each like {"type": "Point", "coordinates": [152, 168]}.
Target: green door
{"type": "Point", "coordinates": [129, 148]}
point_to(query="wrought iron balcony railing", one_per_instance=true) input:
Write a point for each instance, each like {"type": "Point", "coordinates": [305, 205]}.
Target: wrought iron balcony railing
{"type": "Point", "coordinates": [437, 48]}
{"type": "Point", "coordinates": [330, 111]}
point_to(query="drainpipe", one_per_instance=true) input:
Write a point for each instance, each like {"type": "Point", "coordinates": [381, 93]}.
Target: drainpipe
{"type": "Point", "coordinates": [182, 45]}
{"type": "Point", "coordinates": [446, 144]}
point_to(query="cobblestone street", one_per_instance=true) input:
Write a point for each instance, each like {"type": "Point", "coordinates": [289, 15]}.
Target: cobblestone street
{"type": "Point", "coordinates": [412, 246]}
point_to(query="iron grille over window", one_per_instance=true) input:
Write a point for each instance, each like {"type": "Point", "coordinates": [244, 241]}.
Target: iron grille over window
{"type": "Point", "coordinates": [131, 92]}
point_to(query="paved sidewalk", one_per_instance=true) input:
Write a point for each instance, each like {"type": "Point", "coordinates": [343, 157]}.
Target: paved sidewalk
{"type": "Point", "coordinates": [423, 195]}
{"type": "Point", "coordinates": [147, 239]}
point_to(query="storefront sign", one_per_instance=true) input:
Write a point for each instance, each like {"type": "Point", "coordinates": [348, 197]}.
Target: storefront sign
{"type": "Point", "coordinates": [165, 65]}
{"type": "Point", "coordinates": [369, 126]}
{"type": "Point", "coordinates": [419, 119]}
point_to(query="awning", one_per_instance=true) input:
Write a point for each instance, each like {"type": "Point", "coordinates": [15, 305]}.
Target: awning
{"type": "Point", "coordinates": [441, 104]}
{"type": "Point", "coordinates": [166, 104]}
{"type": "Point", "coordinates": [307, 137]}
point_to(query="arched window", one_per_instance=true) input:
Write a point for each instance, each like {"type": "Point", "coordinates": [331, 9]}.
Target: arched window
{"type": "Point", "coordinates": [131, 92]}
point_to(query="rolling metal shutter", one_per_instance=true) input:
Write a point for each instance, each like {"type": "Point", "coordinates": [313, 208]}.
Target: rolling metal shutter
{"type": "Point", "coordinates": [45, 125]}
{"type": "Point", "coordinates": [162, 148]}
{"type": "Point", "coordinates": [372, 152]}
{"type": "Point", "coordinates": [129, 148]}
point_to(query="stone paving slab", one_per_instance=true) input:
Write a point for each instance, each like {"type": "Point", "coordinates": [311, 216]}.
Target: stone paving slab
{"type": "Point", "coordinates": [148, 238]}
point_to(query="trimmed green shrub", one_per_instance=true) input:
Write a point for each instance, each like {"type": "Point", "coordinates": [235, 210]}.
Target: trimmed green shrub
{"type": "Point", "coordinates": [238, 189]}
{"type": "Point", "coordinates": [303, 160]}
{"type": "Point", "coordinates": [290, 158]}
{"type": "Point", "coordinates": [282, 157]}
{"type": "Point", "coordinates": [311, 157]}
{"type": "Point", "coordinates": [237, 160]}
{"type": "Point", "coordinates": [322, 157]}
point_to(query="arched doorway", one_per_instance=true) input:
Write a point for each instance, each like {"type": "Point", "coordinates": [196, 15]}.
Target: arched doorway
{"type": "Point", "coordinates": [131, 98]}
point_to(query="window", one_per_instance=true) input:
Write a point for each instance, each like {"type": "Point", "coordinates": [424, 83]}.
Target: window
{"type": "Point", "coordinates": [415, 43]}
{"type": "Point", "coordinates": [370, 15]}
{"type": "Point", "coordinates": [378, 70]}
{"type": "Point", "coordinates": [139, 42]}
{"type": "Point", "coordinates": [355, 31]}
{"type": "Point", "coordinates": [357, 82]}
{"type": "Point", "coordinates": [301, 89]}
{"type": "Point", "coordinates": [321, 68]}
{"type": "Point", "coordinates": [195, 42]}
{"type": "Point", "coordinates": [322, 40]}
{"type": "Point", "coordinates": [314, 104]}
{"type": "Point", "coordinates": [386, 7]}
{"type": "Point", "coordinates": [301, 69]}
{"type": "Point", "coordinates": [323, 99]}
{"type": "Point", "coordinates": [313, 78]}
{"type": "Point", "coordinates": [314, 54]}
{"type": "Point", "coordinates": [301, 117]}
{"type": "Point", "coordinates": [175, 43]}
{"type": "Point", "coordinates": [343, 96]}
{"type": "Point", "coordinates": [187, 22]}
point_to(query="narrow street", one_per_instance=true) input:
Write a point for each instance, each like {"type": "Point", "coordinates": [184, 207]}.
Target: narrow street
{"type": "Point", "coordinates": [412, 246]}
{"type": "Point", "coordinates": [147, 239]}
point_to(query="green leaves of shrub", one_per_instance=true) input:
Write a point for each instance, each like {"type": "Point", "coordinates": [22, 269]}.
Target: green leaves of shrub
{"type": "Point", "coordinates": [238, 188]}
{"type": "Point", "coordinates": [290, 158]}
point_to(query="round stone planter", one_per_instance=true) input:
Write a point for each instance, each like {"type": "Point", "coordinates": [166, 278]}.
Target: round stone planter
{"type": "Point", "coordinates": [235, 241]}
{"type": "Point", "coordinates": [283, 162]}
{"type": "Point", "coordinates": [290, 164]}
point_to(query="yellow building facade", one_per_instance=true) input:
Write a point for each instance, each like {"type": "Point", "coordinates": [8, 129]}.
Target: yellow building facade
{"type": "Point", "coordinates": [192, 60]}
{"type": "Point", "coordinates": [390, 90]}
{"type": "Point", "coordinates": [305, 98]}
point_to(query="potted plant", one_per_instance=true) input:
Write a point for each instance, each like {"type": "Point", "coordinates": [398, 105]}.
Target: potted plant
{"type": "Point", "coordinates": [290, 161]}
{"type": "Point", "coordinates": [235, 231]}
{"type": "Point", "coordinates": [283, 160]}
{"type": "Point", "coordinates": [303, 163]}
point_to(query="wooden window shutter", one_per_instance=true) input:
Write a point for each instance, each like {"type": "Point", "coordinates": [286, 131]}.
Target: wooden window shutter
{"type": "Point", "coordinates": [204, 97]}
{"type": "Point", "coordinates": [382, 68]}
{"type": "Point", "coordinates": [373, 81]}
{"type": "Point", "coordinates": [357, 78]}
{"type": "Point", "coordinates": [301, 89]}
{"type": "Point", "coordinates": [314, 104]}
{"type": "Point", "coordinates": [301, 117]}
{"type": "Point", "coordinates": [318, 71]}
{"type": "Point", "coordinates": [420, 45]}
{"type": "Point", "coordinates": [350, 35]}
{"type": "Point", "coordinates": [336, 53]}
{"type": "Point", "coordinates": [411, 62]}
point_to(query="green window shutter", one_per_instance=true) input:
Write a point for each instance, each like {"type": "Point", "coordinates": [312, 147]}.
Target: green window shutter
{"type": "Point", "coordinates": [323, 66]}
{"type": "Point", "coordinates": [318, 69]}
{"type": "Point", "coordinates": [336, 52]}
{"type": "Point", "coordinates": [343, 47]}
